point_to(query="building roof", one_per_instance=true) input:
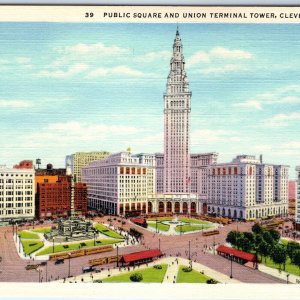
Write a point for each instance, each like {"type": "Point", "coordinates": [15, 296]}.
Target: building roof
{"type": "Point", "coordinates": [138, 220]}
{"type": "Point", "coordinates": [237, 253]}
{"type": "Point", "coordinates": [136, 256]}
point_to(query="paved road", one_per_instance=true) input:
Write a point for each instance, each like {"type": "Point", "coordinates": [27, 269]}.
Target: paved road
{"type": "Point", "coordinates": [12, 266]}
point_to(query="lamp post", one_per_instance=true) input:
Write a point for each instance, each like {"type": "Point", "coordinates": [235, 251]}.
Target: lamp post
{"type": "Point", "coordinates": [53, 244]}
{"type": "Point", "coordinates": [69, 271]}
{"type": "Point", "coordinates": [94, 238]}
{"type": "Point", "coordinates": [39, 274]}
{"type": "Point", "coordinates": [231, 258]}
{"type": "Point", "coordinates": [214, 244]}
{"type": "Point", "coordinates": [189, 250]}
{"type": "Point", "coordinates": [156, 229]}
{"type": "Point", "coordinates": [46, 271]}
{"type": "Point", "coordinates": [16, 232]}
{"type": "Point", "coordinates": [117, 256]}
{"type": "Point", "coordinates": [19, 245]}
{"type": "Point", "coordinates": [159, 244]}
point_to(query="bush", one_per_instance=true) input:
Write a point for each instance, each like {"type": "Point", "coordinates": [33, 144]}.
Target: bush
{"type": "Point", "coordinates": [82, 244]}
{"type": "Point", "coordinates": [136, 277]}
{"type": "Point", "coordinates": [187, 269]}
{"type": "Point", "coordinates": [66, 246]}
{"type": "Point", "coordinates": [159, 267]}
{"type": "Point", "coordinates": [211, 281]}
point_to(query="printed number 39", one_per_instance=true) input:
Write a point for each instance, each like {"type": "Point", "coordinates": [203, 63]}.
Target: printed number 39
{"type": "Point", "coordinates": [89, 15]}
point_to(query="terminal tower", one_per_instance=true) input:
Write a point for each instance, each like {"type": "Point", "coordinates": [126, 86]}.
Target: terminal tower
{"type": "Point", "coordinates": [177, 109]}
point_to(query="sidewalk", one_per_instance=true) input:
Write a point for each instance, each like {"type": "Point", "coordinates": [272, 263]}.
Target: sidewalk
{"type": "Point", "coordinates": [169, 276]}
{"type": "Point", "coordinates": [282, 275]}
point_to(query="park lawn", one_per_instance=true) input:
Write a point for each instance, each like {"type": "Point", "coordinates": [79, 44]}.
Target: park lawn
{"type": "Point", "coordinates": [194, 221]}
{"type": "Point", "coordinates": [31, 246]}
{"type": "Point", "coordinates": [160, 226]}
{"type": "Point", "coordinates": [188, 228]}
{"type": "Point", "coordinates": [161, 219]}
{"type": "Point", "coordinates": [289, 267]}
{"type": "Point", "coordinates": [190, 277]}
{"type": "Point", "coordinates": [42, 230]}
{"type": "Point", "coordinates": [149, 275]}
{"type": "Point", "coordinates": [76, 246]}
{"type": "Point", "coordinates": [106, 231]}
{"type": "Point", "coordinates": [28, 235]}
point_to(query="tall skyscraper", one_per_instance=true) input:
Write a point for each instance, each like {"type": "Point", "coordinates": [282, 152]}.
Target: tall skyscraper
{"type": "Point", "coordinates": [177, 108]}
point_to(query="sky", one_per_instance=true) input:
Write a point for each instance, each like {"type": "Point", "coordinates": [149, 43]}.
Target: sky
{"type": "Point", "coordinates": [91, 87]}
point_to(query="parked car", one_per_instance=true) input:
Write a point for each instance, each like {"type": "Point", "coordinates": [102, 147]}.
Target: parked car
{"type": "Point", "coordinates": [59, 261]}
{"type": "Point", "coordinates": [88, 269]}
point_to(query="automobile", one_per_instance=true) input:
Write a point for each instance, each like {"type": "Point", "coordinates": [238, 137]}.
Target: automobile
{"type": "Point", "coordinates": [88, 269]}
{"type": "Point", "coordinates": [59, 261]}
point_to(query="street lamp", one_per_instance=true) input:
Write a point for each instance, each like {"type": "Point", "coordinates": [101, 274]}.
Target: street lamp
{"type": "Point", "coordinates": [231, 258]}
{"type": "Point", "coordinates": [189, 250]}
{"type": "Point", "coordinates": [117, 256]}
{"type": "Point", "coordinates": [69, 271]}
{"type": "Point", "coordinates": [16, 231]}
{"type": "Point", "coordinates": [53, 244]}
{"type": "Point", "coordinates": [94, 238]}
{"type": "Point", "coordinates": [156, 229]}
{"type": "Point", "coordinates": [46, 271]}
{"type": "Point", "coordinates": [159, 244]}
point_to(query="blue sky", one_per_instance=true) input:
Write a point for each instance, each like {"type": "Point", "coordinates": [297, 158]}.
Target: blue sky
{"type": "Point", "coordinates": [87, 87]}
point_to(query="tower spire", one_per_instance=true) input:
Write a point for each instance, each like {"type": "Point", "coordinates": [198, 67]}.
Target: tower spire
{"type": "Point", "coordinates": [177, 101]}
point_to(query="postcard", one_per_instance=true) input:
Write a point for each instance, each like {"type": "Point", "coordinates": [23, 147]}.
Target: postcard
{"type": "Point", "coordinates": [149, 152]}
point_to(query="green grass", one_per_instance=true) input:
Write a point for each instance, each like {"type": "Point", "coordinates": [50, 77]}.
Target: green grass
{"type": "Point", "coordinates": [31, 246]}
{"type": "Point", "coordinates": [149, 275]}
{"type": "Point", "coordinates": [42, 230]}
{"type": "Point", "coordinates": [289, 267]}
{"type": "Point", "coordinates": [28, 235]}
{"type": "Point", "coordinates": [161, 219]}
{"type": "Point", "coordinates": [75, 246]}
{"type": "Point", "coordinates": [160, 226]}
{"type": "Point", "coordinates": [194, 221]}
{"type": "Point", "coordinates": [188, 228]}
{"type": "Point", "coordinates": [190, 277]}
{"type": "Point", "coordinates": [106, 231]}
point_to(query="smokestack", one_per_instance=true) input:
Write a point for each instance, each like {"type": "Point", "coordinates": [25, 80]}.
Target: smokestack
{"type": "Point", "coordinates": [261, 159]}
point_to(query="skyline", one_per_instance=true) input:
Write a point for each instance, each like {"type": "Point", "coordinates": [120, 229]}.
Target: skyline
{"type": "Point", "coordinates": [72, 80]}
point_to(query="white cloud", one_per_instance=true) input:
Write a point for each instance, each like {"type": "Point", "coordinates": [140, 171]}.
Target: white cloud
{"type": "Point", "coordinates": [208, 136]}
{"type": "Point", "coordinates": [220, 70]}
{"type": "Point", "coordinates": [153, 56]}
{"type": "Point", "coordinates": [94, 49]}
{"type": "Point", "coordinates": [218, 53]}
{"type": "Point", "coordinates": [71, 71]}
{"type": "Point", "coordinates": [119, 70]}
{"type": "Point", "coordinates": [282, 120]}
{"type": "Point", "coordinates": [77, 131]}
{"type": "Point", "coordinates": [15, 103]}
{"type": "Point", "coordinates": [23, 60]}
{"type": "Point", "coordinates": [289, 94]}
{"type": "Point", "coordinates": [249, 104]}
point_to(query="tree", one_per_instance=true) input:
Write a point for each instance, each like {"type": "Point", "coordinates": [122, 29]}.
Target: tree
{"type": "Point", "coordinates": [257, 229]}
{"type": "Point", "coordinates": [296, 258]}
{"type": "Point", "coordinates": [263, 248]}
{"type": "Point", "coordinates": [279, 255]}
{"type": "Point", "coordinates": [275, 235]}
{"type": "Point", "coordinates": [233, 237]}
{"type": "Point", "coordinates": [244, 243]}
{"type": "Point", "coordinates": [268, 238]}
{"type": "Point", "coordinates": [291, 248]}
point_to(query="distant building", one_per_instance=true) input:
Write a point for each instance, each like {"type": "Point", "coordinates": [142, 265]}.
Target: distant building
{"type": "Point", "coordinates": [24, 164]}
{"type": "Point", "coordinates": [297, 211]}
{"type": "Point", "coordinates": [75, 162]}
{"type": "Point", "coordinates": [16, 194]}
{"type": "Point", "coordinates": [50, 171]}
{"type": "Point", "coordinates": [120, 183]}
{"type": "Point", "coordinates": [53, 197]}
{"type": "Point", "coordinates": [247, 189]}
{"type": "Point", "coordinates": [292, 192]}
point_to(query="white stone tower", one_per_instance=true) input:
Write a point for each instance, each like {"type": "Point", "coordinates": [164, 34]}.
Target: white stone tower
{"type": "Point", "coordinates": [177, 102]}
